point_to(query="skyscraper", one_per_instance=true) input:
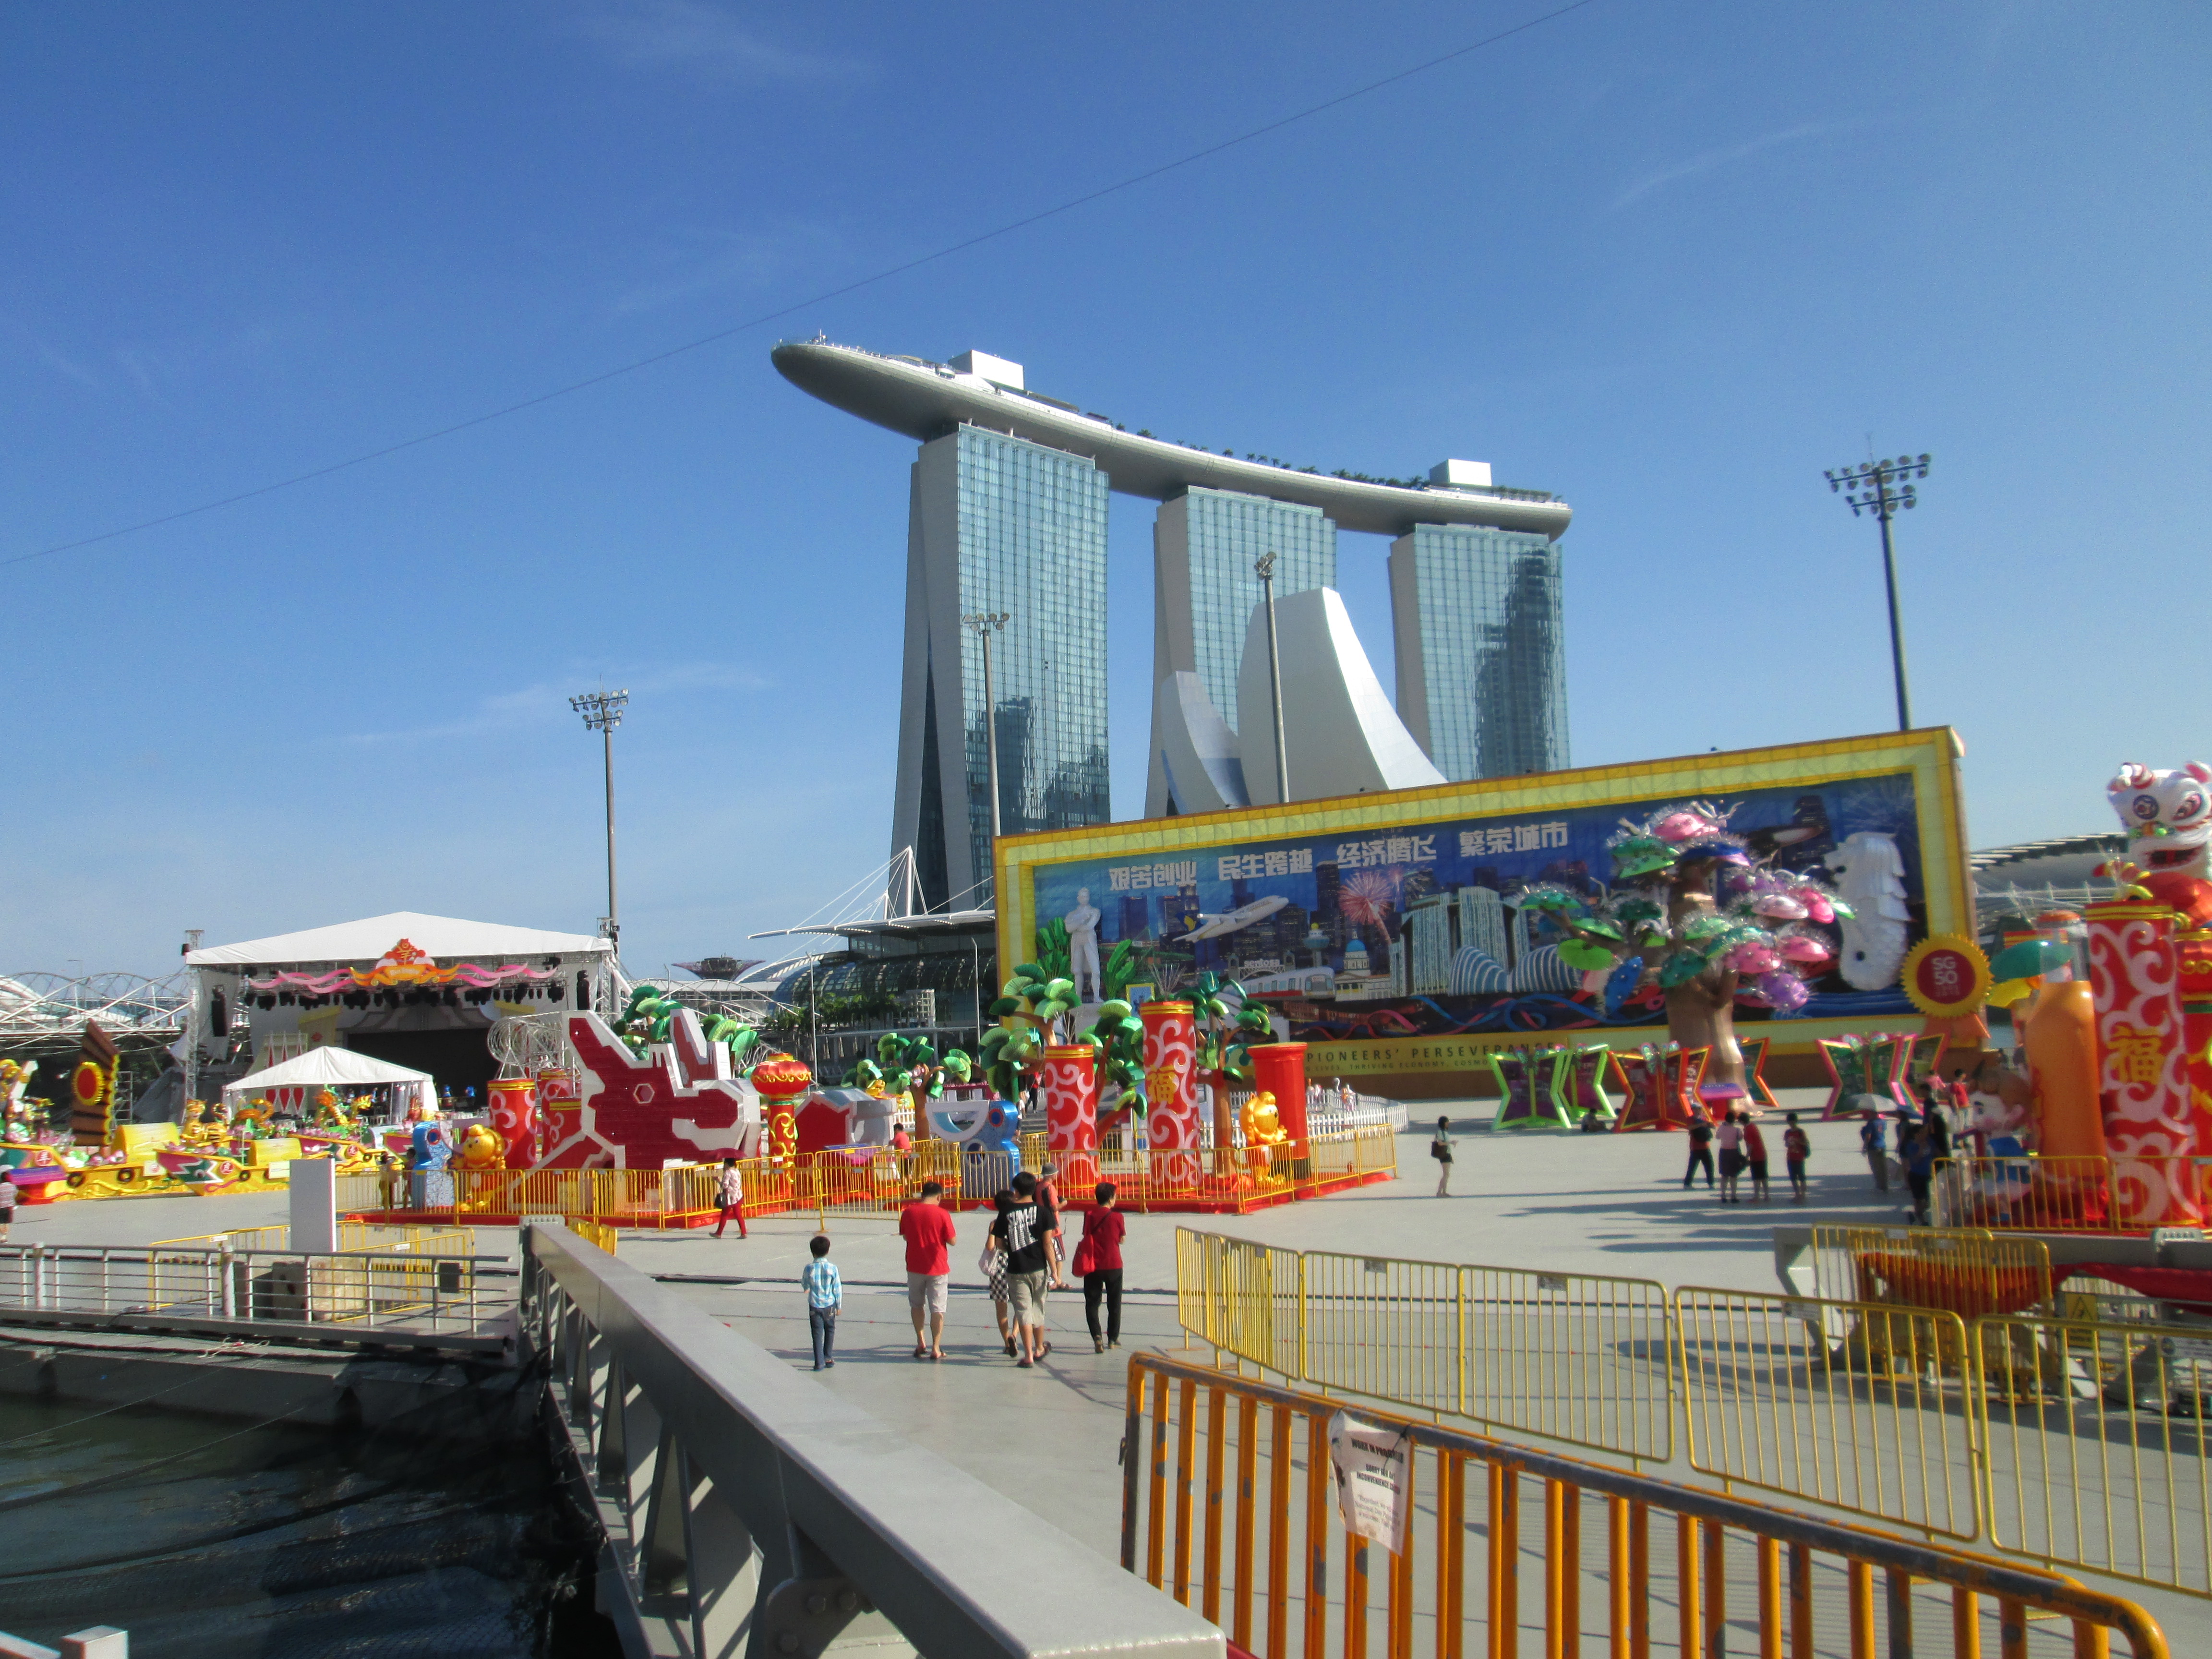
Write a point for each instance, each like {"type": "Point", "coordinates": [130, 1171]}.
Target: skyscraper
{"type": "Point", "coordinates": [1482, 674]}
{"type": "Point", "coordinates": [1205, 544]}
{"type": "Point", "coordinates": [1000, 525]}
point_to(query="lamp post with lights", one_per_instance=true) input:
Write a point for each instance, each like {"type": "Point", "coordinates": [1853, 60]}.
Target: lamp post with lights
{"type": "Point", "coordinates": [603, 711]}
{"type": "Point", "coordinates": [1882, 487]}
{"type": "Point", "coordinates": [1264, 568]}
{"type": "Point", "coordinates": [986, 623]}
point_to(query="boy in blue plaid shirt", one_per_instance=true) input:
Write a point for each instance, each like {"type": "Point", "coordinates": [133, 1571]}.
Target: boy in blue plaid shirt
{"type": "Point", "coordinates": [825, 1298]}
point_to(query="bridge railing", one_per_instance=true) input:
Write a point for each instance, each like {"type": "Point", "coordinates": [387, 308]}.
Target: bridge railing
{"type": "Point", "coordinates": [748, 1509]}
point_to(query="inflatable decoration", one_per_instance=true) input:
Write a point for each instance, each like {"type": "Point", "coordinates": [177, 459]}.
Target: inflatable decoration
{"type": "Point", "coordinates": [1171, 1127]}
{"type": "Point", "coordinates": [633, 1112]}
{"type": "Point", "coordinates": [1263, 1129]}
{"type": "Point", "coordinates": [1662, 1088]}
{"type": "Point", "coordinates": [481, 1148]}
{"type": "Point", "coordinates": [430, 1186]}
{"type": "Point", "coordinates": [1525, 1099]}
{"type": "Point", "coordinates": [1578, 1080]}
{"type": "Point", "coordinates": [1707, 928]}
{"type": "Point", "coordinates": [513, 1118]}
{"type": "Point", "coordinates": [2150, 1120]}
{"type": "Point", "coordinates": [92, 1088]}
{"type": "Point", "coordinates": [2168, 819]}
{"type": "Point", "coordinates": [989, 1127]}
{"type": "Point", "coordinates": [1069, 1083]}
{"type": "Point", "coordinates": [1280, 1068]}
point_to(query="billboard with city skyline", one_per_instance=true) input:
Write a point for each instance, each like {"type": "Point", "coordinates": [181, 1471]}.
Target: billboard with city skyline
{"type": "Point", "coordinates": [1399, 919]}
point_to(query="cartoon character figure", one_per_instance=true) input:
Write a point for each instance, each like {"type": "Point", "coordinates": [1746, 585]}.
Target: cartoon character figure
{"type": "Point", "coordinates": [429, 1185]}
{"type": "Point", "coordinates": [1263, 1128]}
{"type": "Point", "coordinates": [481, 1149]}
{"type": "Point", "coordinates": [2168, 818]}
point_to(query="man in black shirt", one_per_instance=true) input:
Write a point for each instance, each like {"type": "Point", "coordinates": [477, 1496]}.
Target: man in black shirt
{"type": "Point", "coordinates": [1023, 1231]}
{"type": "Point", "coordinates": [1701, 1153]}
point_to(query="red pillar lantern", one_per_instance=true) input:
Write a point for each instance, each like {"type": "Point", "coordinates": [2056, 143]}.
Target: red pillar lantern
{"type": "Point", "coordinates": [1171, 1128]}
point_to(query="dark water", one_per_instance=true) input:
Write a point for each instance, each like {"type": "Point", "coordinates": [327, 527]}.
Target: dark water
{"type": "Point", "coordinates": [444, 1534]}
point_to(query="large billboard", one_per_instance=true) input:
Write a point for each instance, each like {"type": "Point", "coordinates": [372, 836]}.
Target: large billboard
{"type": "Point", "coordinates": [1391, 927]}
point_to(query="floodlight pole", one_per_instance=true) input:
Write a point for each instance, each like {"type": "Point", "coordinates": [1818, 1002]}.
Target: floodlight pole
{"type": "Point", "coordinates": [602, 712]}
{"type": "Point", "coordinates": [1265, 567]}
{"type": "Point", "coordinates": [1867, 487]}
{"type": "Point", "coordinates": [986, 623]}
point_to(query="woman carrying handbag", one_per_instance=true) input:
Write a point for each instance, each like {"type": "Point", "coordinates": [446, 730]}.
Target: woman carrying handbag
{"type": "Point", "coordinates": [1098, 1264]}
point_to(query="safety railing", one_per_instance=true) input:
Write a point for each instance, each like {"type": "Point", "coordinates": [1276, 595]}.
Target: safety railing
{"type": "Point", "coordinates": [352, 1235]}
{"type": "Point", "coordinates": [592, 1232]}
{"type": "Point", "coordinates": [1859, 1406]}
{"type": "Point", "coordinates": [1230, 1504]}
{"type": "Point", "coordinates": [1579, 1357]}
{"type": "Point", "coordinates": [446, 1299]}
{"type": "Point", "coordinates": [2070, 1194]}
{"type": "Point", "coordinates": [747, 1509]}
{"type": "Point", "coordinates": [2097, 1440]}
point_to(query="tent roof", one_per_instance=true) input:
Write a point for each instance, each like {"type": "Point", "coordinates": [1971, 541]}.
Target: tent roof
{"type": "Point", "coordinates": [325, 1067]}
{"type": "Point", "coordinates": [443, 937]}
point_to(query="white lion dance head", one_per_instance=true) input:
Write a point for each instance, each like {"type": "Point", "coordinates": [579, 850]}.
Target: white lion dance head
{"type": "Point", "coordinates": [2168, 815]}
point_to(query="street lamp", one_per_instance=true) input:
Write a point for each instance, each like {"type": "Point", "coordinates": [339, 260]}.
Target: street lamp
{"type": "Point", "coordinates": [986, 623]}
{"type": "Point", "coordinates": [1265, 566]}
{"type": "Point", "coordinates": [602, 712]}
{"type": "Point", "coordinates": [1882, 487]}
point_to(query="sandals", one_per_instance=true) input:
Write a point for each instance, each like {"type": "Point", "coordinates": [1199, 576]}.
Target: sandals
{"type": "Point", "coordinates": [920, 1352]}
{"type": "Point", "coordinates": [1010, 1347]}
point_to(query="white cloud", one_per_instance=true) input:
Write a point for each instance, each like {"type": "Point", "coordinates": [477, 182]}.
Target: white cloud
{"type": "Point", "coordinates": [692, 35]}
{"type": "Point", "coordinates": [1707, 160]}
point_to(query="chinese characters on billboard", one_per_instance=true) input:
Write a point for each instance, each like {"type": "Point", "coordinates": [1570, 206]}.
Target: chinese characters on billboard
{"type": "Point", "coordinates": [1421, 932]}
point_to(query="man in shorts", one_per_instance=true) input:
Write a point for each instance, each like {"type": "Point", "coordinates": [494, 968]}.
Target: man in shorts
{"type": "Point", "coordinates": [928, 1229]}
{"type": "Point", "coordinates": [1023, 1231]}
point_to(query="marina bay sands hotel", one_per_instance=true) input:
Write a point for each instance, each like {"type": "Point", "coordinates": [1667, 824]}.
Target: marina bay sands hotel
{"type": "Point", "coordinates": [1008, 514]}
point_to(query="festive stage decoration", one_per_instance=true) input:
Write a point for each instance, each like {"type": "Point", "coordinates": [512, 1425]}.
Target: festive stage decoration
{"type": "Point", "coordinates": [2149, 1117]}
{"type": "Point", "coordinates": [1525, 1096]}
{"type": "Point", "coordinates": [1578, 1083]}
{"type": "Point", "coordinates": [513, 1117]}
{"type": "Point", "coordinates": [404, 965]}
{"type": "Point", "coordinates": [1945, 977]}
{"type": "Point", "coordinates": [92, 1088]}
{"type": "Point", "coordinates": [1662, 1088]}
{"type": "Point", "coordinates": [1279, 1069]}
{"type": "Point", "coordinates": [677, 1101]}
{"type": "Point", "coordinates": [1171, 1125]}
{"type": "Point", "coordinates": [1069, 1083]}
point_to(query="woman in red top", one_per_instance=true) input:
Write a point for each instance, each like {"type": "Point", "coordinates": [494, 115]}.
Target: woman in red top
{"type": "Point", "coordinates": [1098, 1259]}
{"type": "Point", "coordinates": [1755, 1154]}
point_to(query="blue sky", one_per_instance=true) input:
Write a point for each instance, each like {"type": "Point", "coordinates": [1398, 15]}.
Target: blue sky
{"type": "Point", "coordinates": [1669, 260]}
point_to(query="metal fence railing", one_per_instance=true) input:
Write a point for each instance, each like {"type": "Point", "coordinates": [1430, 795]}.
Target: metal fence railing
{"type": "Point", "coordinates": [2097, 1443]}
{"type": "Point", "coordinates": [353, 1236]}
{"type": "Point", "coordinates": [1856, 1405]}
{"type": "Point", "coordinates": [2068, 1194]}
{"type": "Point", "coordinates": [446, 1299]}
{"type": "Point", "coordinates": [1230, 1504]}
{"type": "Point", "coordinates": [1958, 1395]}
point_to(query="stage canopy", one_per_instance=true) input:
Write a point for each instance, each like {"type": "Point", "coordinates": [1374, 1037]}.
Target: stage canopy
{"type": "Point", "coordinates": [441, 938]}
{"type": "Point", "coordinates": [333, 1069]}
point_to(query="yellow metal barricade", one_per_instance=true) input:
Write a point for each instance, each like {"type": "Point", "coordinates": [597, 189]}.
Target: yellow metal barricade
{"type": "Point", "coordinates": [2036, 1193]}
{"type": "Point", "coordinates": [1379, 1326]}
{"type": "Point", "coordinates": [1229, 1503]}
{"type": "Point", "coordinates": [2097, 1446]}
{"type": "Point", "coordinates": [1859, 1406]}
{"type": "Point", "coordinates": [592, 1232]}
{"type": "Point", "coordinates": [1582, 1357]}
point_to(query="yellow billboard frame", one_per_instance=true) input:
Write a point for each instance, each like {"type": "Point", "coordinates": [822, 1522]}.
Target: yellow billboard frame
{"type": "Point", "coordinates": [1930, 754]}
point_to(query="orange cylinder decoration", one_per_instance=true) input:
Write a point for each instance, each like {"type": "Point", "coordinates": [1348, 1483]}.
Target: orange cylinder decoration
{"type": "Point", "coordinates": [2194, 948]}
{"type": "Point", "coordinates": [2060, 1036]}
{"type": "Point", "coordinates": [782, 1081]}
{"type": "Point", "coordinates": [1280, 1069]}
{"type": "Point", "coordinates": [1171, 1128]}
{"type": "Point", "coordinates": [1069, 1082]}
{"type": "Point", "coordinates": [515, 1119]}
{"type": "Point", "coordinates": [2143, 1080]}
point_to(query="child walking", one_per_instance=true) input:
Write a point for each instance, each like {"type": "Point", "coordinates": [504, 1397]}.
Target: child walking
{"type": "Point", "coordinates": [826, 1299]}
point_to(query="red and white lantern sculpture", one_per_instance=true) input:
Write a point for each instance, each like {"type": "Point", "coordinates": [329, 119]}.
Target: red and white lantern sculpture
{"type": "Point", "coordinates": [2135, 975]}
{"type": "Point", "coordinates": [515, 1119]}
{"type": "Point", "coordinates": [1171, 1128]}
{"type": "Point", "coordinates": [1069, 1082]}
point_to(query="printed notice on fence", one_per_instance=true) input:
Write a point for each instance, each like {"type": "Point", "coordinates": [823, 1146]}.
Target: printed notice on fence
{"type": "Point", "coordinates": [1372, 1467]}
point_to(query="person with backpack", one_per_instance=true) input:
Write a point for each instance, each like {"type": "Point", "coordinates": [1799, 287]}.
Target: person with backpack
{"type": "Point", "coordinates": [1796, 1147]}
{"type": "Point", "coordinates": [1440, 1150]}
{"type": "Point", "coordinates": [1701, 1154]}
{"type": "Point", "coordinates": [1024, 1235]}
{"type": "Point", "coordinates": [1098, 1265]}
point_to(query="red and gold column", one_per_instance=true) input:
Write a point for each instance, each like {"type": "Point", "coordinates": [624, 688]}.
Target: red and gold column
{"type": "Point", "coordinates": [782, 1081]}
{"type": "Point", "coordinates": [515, 1119]}
{"type": "Point", "coordinates": [1280, 1069]}
{"type": "Point", "coordinates": [1069, 1083]}
{"type": "Point", "coordinates": [2194, 948]}
{"type": "Point", "coordinates": [1171, 1128]}
{"type": "Point", "coordinates": [2135, 975]}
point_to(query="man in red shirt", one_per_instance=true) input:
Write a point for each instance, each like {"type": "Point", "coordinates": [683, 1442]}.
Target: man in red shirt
{"type": "Point", "coordinates": [927, 1226]}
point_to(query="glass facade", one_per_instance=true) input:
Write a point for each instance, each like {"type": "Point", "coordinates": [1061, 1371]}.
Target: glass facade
{"type": "Point", "coordinates": [1031, 531]}
{"type": "Point", "coordinates": [1226, 534]}
{"type": "Point", "coordinates": [1491, 699]}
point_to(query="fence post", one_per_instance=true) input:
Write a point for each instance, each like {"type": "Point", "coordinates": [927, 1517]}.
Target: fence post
{"type": "Point", "coordinates": [224, 1299]}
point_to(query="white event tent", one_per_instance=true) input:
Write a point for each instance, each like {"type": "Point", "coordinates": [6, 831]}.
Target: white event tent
{"type": "Point", "coordinates": [334, 1069]}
